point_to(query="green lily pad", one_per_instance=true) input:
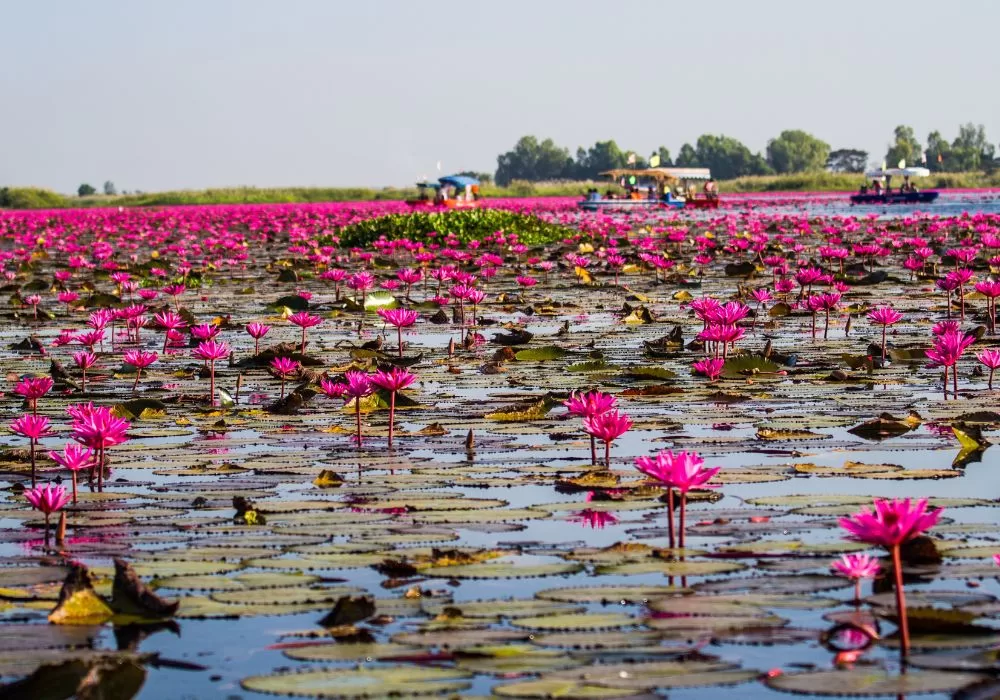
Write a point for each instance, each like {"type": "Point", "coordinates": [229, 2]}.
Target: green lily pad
{"type": "Point", "coordinates": [361, 682]}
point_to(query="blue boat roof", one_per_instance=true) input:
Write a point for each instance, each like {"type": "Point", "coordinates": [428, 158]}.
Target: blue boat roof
{"type": "Point", "coordinates": [458, 180]}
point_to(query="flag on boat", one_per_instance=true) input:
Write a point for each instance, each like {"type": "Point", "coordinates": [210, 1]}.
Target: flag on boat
{"type": "Point", "coordinates": [439, 166]}
{"type": "Point", "coordinates": [902, 164]}
{"type": "Point", "coordinates": [883, 164]}
{"type": "Point", "coordinates": [923, 157]}
{"type": "Point", "coordinates": [631, 159]}
{"type": "Point", "coordinates": [940, 158]}
{"type": "Point", "coordinates": [654, 160]}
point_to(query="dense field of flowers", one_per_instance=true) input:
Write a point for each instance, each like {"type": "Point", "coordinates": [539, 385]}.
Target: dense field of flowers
{"type": "Point", "coordinates": [529, 452]}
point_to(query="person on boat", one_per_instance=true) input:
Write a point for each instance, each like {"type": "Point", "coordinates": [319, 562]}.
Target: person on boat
{"type": "Point", "coordinates": [863, 190]}
{"type": "Point", "coordinates": [877, 186]}
{"type": "Point", "coordinates": [711, 192]}
{"type": "Point", "coordinates": [475, 193]}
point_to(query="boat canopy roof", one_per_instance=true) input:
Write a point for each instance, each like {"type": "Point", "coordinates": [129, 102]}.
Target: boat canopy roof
{"type": "Point", "coordinates": [898, 172]}
{"type": "Point", "coordinates": [459, 181]}
{"type": "Point", "coordinates": [661, 174]}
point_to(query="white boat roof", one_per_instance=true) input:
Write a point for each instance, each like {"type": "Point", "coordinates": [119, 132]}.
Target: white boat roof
{"type": "Point", "coordinates": [898, 172]}
{"type": "Point", "coordinates": [688, 173]}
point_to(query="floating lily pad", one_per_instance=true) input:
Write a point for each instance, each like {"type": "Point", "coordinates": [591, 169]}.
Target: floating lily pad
{"type": "Point", "coordinates": [361, 683]}
{"type": "Point", "coordinates": [870, 682]}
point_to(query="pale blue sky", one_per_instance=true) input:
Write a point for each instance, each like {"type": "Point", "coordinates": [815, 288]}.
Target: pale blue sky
{"type": "Point", "coordinates": [194, 93]}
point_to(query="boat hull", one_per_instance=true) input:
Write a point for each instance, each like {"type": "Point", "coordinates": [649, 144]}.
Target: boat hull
{"type": "Point", "coordinates": [618, 204]}
{"type": "Point", "coordinates": [895, 198]}
{"type": "Point", "coordinates": [621, 204]}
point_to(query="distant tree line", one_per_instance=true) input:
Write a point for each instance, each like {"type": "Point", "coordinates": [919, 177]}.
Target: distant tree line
{"type": "Point", "coordinates": [792, 151]}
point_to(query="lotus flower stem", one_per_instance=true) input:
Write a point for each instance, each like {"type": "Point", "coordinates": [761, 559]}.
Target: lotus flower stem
{"type": "Point", "coordinates": [883, 344]}
{"type": "Point", "coordinates": [392, 414]}
{"type": "Point", "coordinates": [904, 625]}
{"type": "Point", "coordinates": [593, 451]}
{"type": "Point", "coordinates": [670, 518]}
{"type": "Point", "coordinates": [357, 418]}
{"type": "Point", "coordinates": [31, 451]}
{"type": "Point", "coordinates": [680, 539]}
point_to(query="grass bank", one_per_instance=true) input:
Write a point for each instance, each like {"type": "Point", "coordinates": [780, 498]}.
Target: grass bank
{"type": "Point", "coordinates": [35, 198]}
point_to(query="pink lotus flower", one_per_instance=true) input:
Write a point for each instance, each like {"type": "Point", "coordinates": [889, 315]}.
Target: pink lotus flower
{"type": "Point", "coordinates": [84, 360]}
{"type": "Point", "coordinates": [890, 525]}
{"type": "Point", "coordinates": [857, 567]}
{"type": "Point", "coordinates": [205, 331]}
{"type": "Point", "coordinates": [168, 321]}
{"type": "Point", "coordinates": [400, 318]}
{"type": "Point", "coordinates": [358, 385]}
{"type": "Point", "coordinates": [304, 320]}
{"type": "Point", "coordinates": [589, 404]}
{"type": "Point", "coordinates": [682, 471]}
{"type": "Point", "coordinates": [257, 331]}
{"type": "Point", "coordinates": [34, 428]}
{"type": "Point", "coordinates": [884, 316]}
{"type": "Point", "coordinates": [947, 351]}
{"type": "Point", "coordinates": [285, 368]}
{"type": "Point", "coordinates": [333, 389]}
{"type": "Point", "coordinates": [710, 367]}
{"type": "Point", "coordinates": [211, 351]}
{"type": "Point", "coordinates": [393, 381]}
{"type": "Point", "coordinates": [140, 359]}
{"type": "Point", "coordinates": [991, 290]}
{"type": "Point", "coordinates": [32, 389]}
{"type": "Point", "coordinates": [48, 499]}
{"type": "Point", "coordinates": [607, 427]}
{"type": "Point", "coordinates": [525, 281]}
{"type": "Point", "coordinates": [74, 457]}
{"type": "Point", "coordinates": [97, 428]}
{"type": "Point", "coordinates": [991, 359]}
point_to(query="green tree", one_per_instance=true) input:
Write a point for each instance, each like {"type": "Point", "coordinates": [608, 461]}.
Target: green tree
{"type": "Point", "coordinates": [533, 161]}
{"type": "Point", "coordinates": [847, 160]}
{"type": "Point", "coordinates": [85, 190]}
{"type": "Point", "coordinates": [687, 157]}
{"type": "Point", "coordinates": [795, 151]}
{"type": "Point", "coordinates": [904, 148]}
{"type": "Point", "coordinates": [728, 158]}
{"type": "Point", "coordinates": [971, 150]}
{"type": "Point", "coordinates": [109, 188]}
{"type": "Point", "coordinates": [939, 158]}
{"type": "Point", "coordinates": [603, 155]}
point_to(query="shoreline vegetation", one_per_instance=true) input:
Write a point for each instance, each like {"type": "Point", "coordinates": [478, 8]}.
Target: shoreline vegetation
{"type": "Point", "coordinates": [37, 198]}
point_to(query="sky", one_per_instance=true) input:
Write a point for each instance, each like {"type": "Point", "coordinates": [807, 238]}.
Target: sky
{"type": "Point", "coordinates": [185, 94]}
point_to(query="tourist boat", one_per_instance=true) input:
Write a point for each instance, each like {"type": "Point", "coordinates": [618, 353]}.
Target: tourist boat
{"type": "Point", "coordinates": [670, 187]}
{"type": "Point", "coordinates": [905, 195]}
{"type": "Point", "coordinates": [449, 192]}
